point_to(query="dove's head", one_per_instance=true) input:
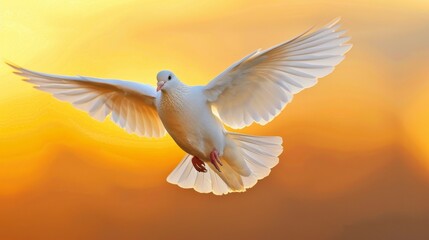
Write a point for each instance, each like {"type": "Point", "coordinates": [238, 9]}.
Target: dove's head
{"type": "Point", "coordinates": [166, 80]}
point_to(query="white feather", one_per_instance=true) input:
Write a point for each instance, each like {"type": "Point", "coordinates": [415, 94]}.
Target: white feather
{"type": "Point", "coordinates": [101, 97]}
{"type": "Point", "coordinates": [290, 67]}
{"type": "Point", "coordinates": [254, 89]}
{"type": "Point", "coordinates": [260, 155]}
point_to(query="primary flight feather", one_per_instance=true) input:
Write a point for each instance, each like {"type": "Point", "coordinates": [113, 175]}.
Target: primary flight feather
{"type": "Point", "coordinates": [254, 89]}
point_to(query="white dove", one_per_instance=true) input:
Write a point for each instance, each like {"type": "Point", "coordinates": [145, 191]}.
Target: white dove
{"type": "Point", "coordinates": [254, 89]}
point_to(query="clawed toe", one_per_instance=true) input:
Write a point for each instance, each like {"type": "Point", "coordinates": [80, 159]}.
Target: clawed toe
{"type": "Point", "coordinates": [215, 159]}
{"type": "Point", "coordinates": [199, 165]}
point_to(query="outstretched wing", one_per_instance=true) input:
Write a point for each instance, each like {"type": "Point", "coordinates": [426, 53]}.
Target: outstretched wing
{"type": "Point", "coordinates": [258, 87]}
{"type": "Point", "coordinates": [131, 104]}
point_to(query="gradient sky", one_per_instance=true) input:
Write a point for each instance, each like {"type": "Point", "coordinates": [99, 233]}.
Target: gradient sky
{"type": "Point", "coordinates": [356, 159]}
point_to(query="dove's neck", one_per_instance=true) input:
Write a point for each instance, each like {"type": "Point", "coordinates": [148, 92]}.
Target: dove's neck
{"type": "Point", "coordinates": [174, 97]}
{"type": "Point", "coordinates": [177, 91]}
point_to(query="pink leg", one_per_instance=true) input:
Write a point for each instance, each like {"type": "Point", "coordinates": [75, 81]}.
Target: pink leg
{"type": "Point", "coordinates": [198, 164]}
{"type": "Point", "coordinates": [215, 160]}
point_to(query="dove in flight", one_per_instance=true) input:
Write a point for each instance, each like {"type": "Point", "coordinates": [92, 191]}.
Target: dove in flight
{"type": "Point", "coordinates": [254, 89]}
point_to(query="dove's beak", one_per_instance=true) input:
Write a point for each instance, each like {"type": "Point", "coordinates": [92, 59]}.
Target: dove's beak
{"type": "Point", "coordinates": [160, 84]}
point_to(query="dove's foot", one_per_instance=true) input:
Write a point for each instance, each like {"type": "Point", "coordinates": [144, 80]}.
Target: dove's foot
{"type": "Point", "coordinates": [215, 160]}
{"type": "Point", "coordinates": [198, 164]}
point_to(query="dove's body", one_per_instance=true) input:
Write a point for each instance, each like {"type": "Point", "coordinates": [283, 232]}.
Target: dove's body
{"type": "Point", "coordinates": [252, 90]}
{"type": "Point", "coordinates": [187, 116]}
{"type": "Point", "coordinates": [190, 121]}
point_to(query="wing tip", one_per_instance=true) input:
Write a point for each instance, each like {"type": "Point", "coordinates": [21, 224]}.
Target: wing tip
{"type": "Point", "coordinates": [14, 66]}
{"type": "Point", "coordinates": [334, 22]}
{"type": "Point", "coordinates": [18, 70]}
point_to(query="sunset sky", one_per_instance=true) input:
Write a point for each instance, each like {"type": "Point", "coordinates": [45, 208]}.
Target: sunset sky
{"type": "Point", "coordinates": [356, 158]}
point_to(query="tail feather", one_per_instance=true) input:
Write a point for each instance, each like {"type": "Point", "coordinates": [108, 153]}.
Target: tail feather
{"type": "Point", "coordinates": [260, 153]}
{"type": "Point", "coordinates": [186, 177]}
{"type": "Point", "coordinates": [265, 149]}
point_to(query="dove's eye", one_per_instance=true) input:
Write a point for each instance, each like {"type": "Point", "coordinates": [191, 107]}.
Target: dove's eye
{"type": "Point", "coordinates": [169, 77]}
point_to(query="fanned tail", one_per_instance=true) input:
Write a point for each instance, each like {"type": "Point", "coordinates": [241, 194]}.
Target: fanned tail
{"type": "Point", "coordinates": [186, 176]}
{"type": "Point", "coordinates": [260, 154]}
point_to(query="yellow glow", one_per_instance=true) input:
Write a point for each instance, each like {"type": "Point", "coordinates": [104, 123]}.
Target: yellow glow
{"type": "Point", "coordinates": [374, 104]}
{"type": "Point", "coordinates": [131, 40]}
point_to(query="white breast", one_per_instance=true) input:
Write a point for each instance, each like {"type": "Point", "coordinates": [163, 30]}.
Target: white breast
{"type": "Point", "coordinates": [189, 120]}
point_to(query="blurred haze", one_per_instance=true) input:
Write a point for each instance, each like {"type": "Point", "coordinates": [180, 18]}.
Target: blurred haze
{"type": "Point", "coordinates": [356, 159]}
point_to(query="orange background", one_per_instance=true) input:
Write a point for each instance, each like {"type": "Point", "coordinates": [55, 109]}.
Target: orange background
{"type": "Point", "coordinates": [356, 159]}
